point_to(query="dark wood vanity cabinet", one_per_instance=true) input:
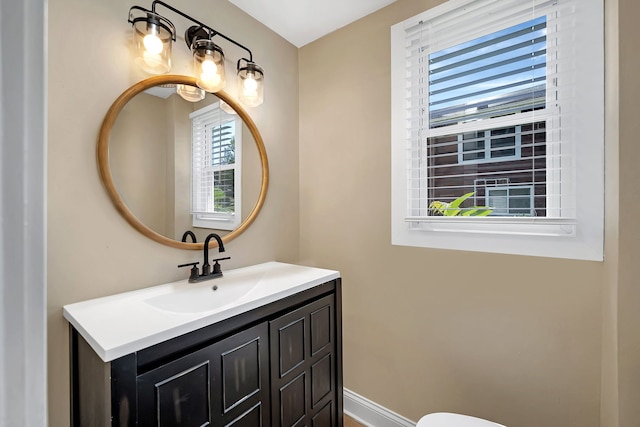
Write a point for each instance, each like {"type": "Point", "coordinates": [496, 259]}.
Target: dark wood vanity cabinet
{"type": "Point", "coordinates": [277, 365]}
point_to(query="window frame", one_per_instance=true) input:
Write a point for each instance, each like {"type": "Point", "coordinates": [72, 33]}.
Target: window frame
{"type": "Point", "coordinates": [580, 237]}
{"type": "Point", "coordinates": [223, 220]}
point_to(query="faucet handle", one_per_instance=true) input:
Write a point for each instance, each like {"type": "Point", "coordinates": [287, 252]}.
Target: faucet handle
{"type": "Point", "coordinates": [194, 270]}
{"type": "Point", "coordinates": [216, 266]}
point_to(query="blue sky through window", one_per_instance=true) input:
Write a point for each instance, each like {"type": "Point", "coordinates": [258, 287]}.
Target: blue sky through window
{"type": "Point", "coordinates": [503, 68]}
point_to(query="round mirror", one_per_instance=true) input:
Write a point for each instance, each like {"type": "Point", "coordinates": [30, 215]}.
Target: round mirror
{"type": "Point", "coordinates": [174, 159]}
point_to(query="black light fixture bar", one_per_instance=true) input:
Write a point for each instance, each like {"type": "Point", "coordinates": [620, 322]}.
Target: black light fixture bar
{"type": "Point", "coordinates": [211, 32]}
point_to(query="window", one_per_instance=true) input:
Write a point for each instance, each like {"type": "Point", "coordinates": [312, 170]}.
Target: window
{"type": "Point", "coordinates": [496, 98]}
{"type": "Point", "coordinates": [490, 145]}
{"type": "Point", "coordinates": [215, 168]}
{"type": "Point", "coordinates": [510, 200]}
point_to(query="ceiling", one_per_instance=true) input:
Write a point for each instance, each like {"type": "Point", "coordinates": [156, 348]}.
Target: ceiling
{"type": "Point", "coordinates": [303, 21]}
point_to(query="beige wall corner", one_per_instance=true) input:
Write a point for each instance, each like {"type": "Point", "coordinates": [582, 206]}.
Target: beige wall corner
{"type": "Point", "coordinates": [628, 314]}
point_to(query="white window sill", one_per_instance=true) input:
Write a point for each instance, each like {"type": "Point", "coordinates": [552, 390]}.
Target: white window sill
{"type": "Point", "coordinates": [221, 223]}
{"type": "Point", "coordinates": [554, 238]}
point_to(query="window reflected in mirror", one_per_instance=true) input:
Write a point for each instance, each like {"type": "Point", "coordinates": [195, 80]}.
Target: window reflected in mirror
{"type": "Point", "coordinates": [216, 159]}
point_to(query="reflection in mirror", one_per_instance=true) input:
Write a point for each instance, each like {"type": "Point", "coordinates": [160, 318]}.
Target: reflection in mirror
{"type": "Point", "coordinates": [181, 165]}
{"type": "Point", "coordinates": [216, 168]}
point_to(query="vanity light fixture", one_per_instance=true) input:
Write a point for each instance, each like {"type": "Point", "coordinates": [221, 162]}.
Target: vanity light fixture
{"type": "Point", "coordinates": [152, 37]}
{"type": "Point", "coordinates": [208, 63]}
{"type": "Point", "coordinates": [250, 79]}
{"type": "Point", "coordinates": [153, 34]}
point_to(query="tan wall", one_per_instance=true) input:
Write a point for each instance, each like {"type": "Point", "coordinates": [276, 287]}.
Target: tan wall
{"type": "Point", "coordinates": [628, 292]}
{"type": "Point", "coordinates": [138, 155]}
{"type": "Point", "coordinates": [92, 251]}
{"type": "Point", "coordinates": [511, 338]}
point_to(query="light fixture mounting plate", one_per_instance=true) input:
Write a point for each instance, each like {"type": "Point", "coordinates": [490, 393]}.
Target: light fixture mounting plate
{"type": "Point", "coordinates": [193, 33]}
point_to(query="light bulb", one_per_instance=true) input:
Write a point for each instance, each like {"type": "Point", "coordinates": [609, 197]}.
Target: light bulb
{"type": "Point", "coordinates": [210, 80]}
{"type": "Point", "coordinates": [209, 76]}
{"type": "Point", "coordinates": [152, 44]}
{"type": "Point", "coordinates": [250, 86]}
{"type": "Point", "coordinates": [209, 67]}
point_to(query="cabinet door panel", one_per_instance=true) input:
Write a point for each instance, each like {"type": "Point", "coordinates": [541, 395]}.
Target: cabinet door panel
{"type": "Point", "coordinates": [324, 417]}
{"type": "Point", "coordinates": [177, 394]}
{"type": "Point", "coordinates": [251, 418]}
{"type": "Point", "coordinates": [302, 345]}
{"type": "Point", "coordinates": [321, 329]}
{"type": "Point", "coordinates": [321, 379]}
{"type": "Point", "coordinates": [241, 378]}
{"type": "Point", "coordinates": [222, 384]}
{"type": "Point", "coordinates": [291, 340]}
{"type": "Point", "coordinates": [240, 374]}
{"type": "Point", "coordinates": [293, 401]}
{"type": "Point", "coordinates": [183, 400]}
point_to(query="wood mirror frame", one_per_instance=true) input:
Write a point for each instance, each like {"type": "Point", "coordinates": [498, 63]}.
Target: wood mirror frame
{"type": "Point", "coordinates": [107, 178]}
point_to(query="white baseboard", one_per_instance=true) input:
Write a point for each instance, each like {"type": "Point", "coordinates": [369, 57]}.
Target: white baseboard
{"type": "Point", "coordinates": [370, 413]}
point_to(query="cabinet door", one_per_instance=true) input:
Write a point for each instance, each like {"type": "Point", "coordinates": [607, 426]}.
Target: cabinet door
{"type": "Point", "coordinates": [303, 366]}
{"type": "Point", "coordinates": [224, 384]}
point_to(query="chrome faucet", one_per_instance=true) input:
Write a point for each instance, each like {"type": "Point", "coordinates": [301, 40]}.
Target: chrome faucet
{"type": "Point", "coordinates": [206, 267]}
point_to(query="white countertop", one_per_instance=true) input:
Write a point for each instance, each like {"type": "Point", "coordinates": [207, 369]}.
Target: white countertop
{"type": "Point", "coordinates": [120, 324]}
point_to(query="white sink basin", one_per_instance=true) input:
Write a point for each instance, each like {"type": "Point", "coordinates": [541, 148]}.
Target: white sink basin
{"type": "Point", "coordinates": [120, 324]}
{"type": "Point", "coordinates": [211, 295]}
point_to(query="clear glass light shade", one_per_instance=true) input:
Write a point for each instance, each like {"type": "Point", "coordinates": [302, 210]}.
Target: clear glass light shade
{"type": "Point", "coordinates": [251, 85]}
{"type": "Point", "coordinates": [208, 64]}
{"type": "Point", "coordinates": [152, 45]}
{"type": "Point", "coordinates": [190, 93]}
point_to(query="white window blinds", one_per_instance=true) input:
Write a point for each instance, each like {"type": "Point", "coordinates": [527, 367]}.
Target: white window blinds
{"type": "Point", "coordinates": [214, 167]}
